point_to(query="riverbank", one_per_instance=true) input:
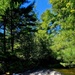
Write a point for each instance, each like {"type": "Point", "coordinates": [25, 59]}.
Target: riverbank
{"type": "Point", "coordinates": [64, 71]}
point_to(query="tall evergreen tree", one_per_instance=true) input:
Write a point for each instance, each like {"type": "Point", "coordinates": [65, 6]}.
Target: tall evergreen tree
{"type": "Point", "coordinates": [19, 25]}
{"type": "Point", "coordinates": [17, 18]}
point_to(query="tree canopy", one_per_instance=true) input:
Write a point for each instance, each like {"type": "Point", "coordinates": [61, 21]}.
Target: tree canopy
{"type": "Point", "coordinates": [64, 42]}
{"type": "Point", "coordinates": [32, 43]}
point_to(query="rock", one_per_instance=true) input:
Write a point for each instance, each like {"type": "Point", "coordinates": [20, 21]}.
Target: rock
{"type": "Point", "coordinates": [42, 72]}
{"type": "Point", "coordinates": [17, 74]}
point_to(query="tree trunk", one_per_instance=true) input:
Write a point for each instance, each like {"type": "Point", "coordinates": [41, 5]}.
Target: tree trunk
{"type": "Point", "coordinates": [4, 35]}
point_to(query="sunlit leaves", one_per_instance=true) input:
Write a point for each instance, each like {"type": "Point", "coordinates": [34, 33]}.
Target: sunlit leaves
{"type": "Point", "coordinates": [4, 4]}
{"type": "Point", "coordinates": [16, 45]}
{"type": "Point", "coordinates": [68, 4]}
{"type": "Point", "coordinates": [72, 11]}
{"type": "Point", "coordinates": [68, 56]}
{"type": "Point", "coordinates": [64, 43]}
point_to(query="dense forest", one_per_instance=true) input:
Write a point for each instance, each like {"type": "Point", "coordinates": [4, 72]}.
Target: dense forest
{"type": "Point", "coordinates": [26, 42]}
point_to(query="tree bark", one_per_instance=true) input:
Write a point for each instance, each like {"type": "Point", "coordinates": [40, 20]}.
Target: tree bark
{"type": "Point", "coordinates": [4, 35]}
{"type": "Point", "coordinates": [12, 33]}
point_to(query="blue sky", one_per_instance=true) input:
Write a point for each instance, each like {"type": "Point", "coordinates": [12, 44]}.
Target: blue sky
{"type": "Point", "coordinates": [41, 6]}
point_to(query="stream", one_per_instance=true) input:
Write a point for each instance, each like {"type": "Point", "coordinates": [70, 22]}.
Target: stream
{"type": "Point", "coordinates": [57, 71]}
{"type": "Point", "coordinates": [70, 71]}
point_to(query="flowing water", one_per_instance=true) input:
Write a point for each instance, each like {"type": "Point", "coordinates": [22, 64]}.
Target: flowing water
{"type": "Point", "coordinates": [70, 71]}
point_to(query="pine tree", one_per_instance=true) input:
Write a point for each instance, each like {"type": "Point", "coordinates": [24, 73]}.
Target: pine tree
{"type": "Point", "coordinates": [17, 18]}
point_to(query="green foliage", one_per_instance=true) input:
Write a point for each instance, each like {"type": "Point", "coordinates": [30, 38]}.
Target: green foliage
{"type": "Point", "coordinates": [28, 40]}
{"type": "Point", "coordinates": [42, 37]}
{"type": "Point", "coordinates": [4, 4]}
{"type": "Point", "coordinates": [68, 57]}
{"type": "Point", "coordinates": [19, 29]}
{"type": "Point", "coordinates": [63, 45]}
